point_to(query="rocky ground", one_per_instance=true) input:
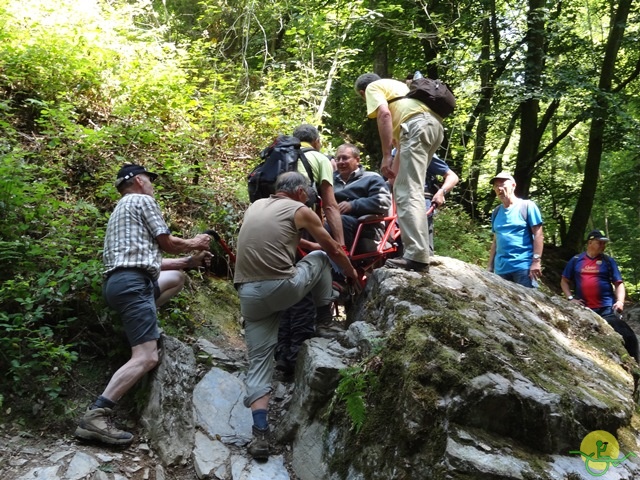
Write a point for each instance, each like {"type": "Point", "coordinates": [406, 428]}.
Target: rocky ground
{"type": "Point", "coordinates": [60, 456]}
{"type": "Point", "coordinates": [54, 454]}
{"type": "Point", "coordinates": [24, 455]}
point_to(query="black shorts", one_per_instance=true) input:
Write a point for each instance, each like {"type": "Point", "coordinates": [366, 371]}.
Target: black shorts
{"type": "Point", "coordinates": [132, 292]}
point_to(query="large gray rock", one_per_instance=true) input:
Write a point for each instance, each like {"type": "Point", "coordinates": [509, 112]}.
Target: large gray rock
{"type": "Point", "coordinates": [317, 374]}
{"type": "Point", "coordinates": [168, 415]}
{"type": "Point", "coordinates": [477, 378]}
{"type": "Point", "coordinates": [218, 407]}
{"type": "Point", "coordinates": [463, 376]}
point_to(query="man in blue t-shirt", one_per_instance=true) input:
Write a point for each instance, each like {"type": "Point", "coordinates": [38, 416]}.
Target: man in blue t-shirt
{"type": "Point", "coordinates": [516, 250]}
{"type": "Point", "coordinates": [598, 286]}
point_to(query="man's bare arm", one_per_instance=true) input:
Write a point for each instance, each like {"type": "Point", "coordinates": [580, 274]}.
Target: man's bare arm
{"type": "Point", "coordinates": [535, 272]}
{"type": "Point", "coordinates": [308, 220]}
{"type": "Point", "coordinates": [385, 130]}
{"type": "Point", "coordinates": [621, 293]}
{"type": "Point", "coordinates": [174, 245]}
{"type": "Point", "coordinates": [449, 180]}
{"type": "Point", "coordinates": [332, 211]}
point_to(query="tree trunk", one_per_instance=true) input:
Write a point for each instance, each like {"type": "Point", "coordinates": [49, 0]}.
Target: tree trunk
{"type": "Point", "coordinates": [534, 65]}
{"type": "Point", "coordinates": [582, 212]}
{"type": "Point", "coordinates": [470, 186]}
{"type": "Point", "coordinates": [381, 57]}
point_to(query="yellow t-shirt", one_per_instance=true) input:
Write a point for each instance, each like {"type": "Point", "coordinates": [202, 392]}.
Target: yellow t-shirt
{"type": "Point", "coordinates": [381, 91]}
{"type": "Point", "coordinates": [320, 165]}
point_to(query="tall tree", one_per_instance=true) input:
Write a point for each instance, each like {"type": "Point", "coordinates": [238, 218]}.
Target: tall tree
{"type": "Point", "coordinates": [600, 114]}
{"type": "Point", "coordinates": [534, 67]}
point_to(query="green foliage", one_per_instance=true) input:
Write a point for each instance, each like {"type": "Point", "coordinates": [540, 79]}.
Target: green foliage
{"type": "Point", "coordinates": [194, 91]}
{"type": "Point", "coordinates": [457, 236]}
{"type": "Point", "coordinates": [616, 212]}
{"type": "Point", "coordinates": [354, 383]}
{"type": "Point", "coordinates": [35, 322]}
{"type": "Point", "coordinates": [78, 98]}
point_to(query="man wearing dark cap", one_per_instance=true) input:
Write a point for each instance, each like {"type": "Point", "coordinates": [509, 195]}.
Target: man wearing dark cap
{"type": "Point", "coordinates": [598, 286]}
{"type": "Point", "coordinates": [137, 280]}
{"type": "Point", "coordinates": [516, 250]}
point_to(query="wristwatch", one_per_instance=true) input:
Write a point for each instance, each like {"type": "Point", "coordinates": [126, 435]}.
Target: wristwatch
{"type": "Point", "coordinates": [536, 256]}
{"type": "Point", "coordinates": [570, 297]}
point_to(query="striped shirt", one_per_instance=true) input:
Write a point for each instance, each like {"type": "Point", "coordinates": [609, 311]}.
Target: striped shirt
{"type": "Point", "coordinates": [130, 240]}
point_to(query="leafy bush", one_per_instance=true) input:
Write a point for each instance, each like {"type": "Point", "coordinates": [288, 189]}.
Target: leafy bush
{"type": "Point", "coordinates": [51, 275]}
{"type": "Point", "coordinates": [457, 236]}
{"type": "Point", "coordinates": [76, 102]}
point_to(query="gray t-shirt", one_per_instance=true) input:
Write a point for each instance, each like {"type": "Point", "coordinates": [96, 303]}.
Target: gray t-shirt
{"type": "Point", "coordinates": [268, 240]}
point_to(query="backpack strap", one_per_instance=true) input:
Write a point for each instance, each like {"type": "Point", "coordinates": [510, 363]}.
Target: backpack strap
{"type": "Point", "coordinates": [524, 213]}
{"type": "Point", "coordinates": [493, 215]}
{"type": "Point", "coordinates": [306, 164]}
{"type": "Point", "coordinates": [607, 260]}
{"type": "Point", "coordinates": [307, 167]}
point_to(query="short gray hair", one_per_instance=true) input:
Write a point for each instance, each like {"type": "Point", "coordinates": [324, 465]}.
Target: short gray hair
{"type": "Point", "coordinates": [364, 80]}
{"type": "Point", "coordinates": [289, 182]}
{"type": "Point", "coordinates": [126, 185]}
{"type": "Point", "coordinates": [306, 133]}
{"type": "Point", "coordinates": [350, 146]}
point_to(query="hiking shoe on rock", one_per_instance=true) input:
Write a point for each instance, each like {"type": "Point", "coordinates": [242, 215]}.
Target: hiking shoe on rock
{"type": "Point", "coordinates": [96, 425]}
{"type": "Point", "coordinates": [285, 366]}
{"type": "Point", "coordinates": [333, 330]}
{"type": "Point", "coordinates": [324, 314]}
{"type": "Point", "coordinates": [407, 264]}
{"type": "Point", "coordinates": [259, 446]}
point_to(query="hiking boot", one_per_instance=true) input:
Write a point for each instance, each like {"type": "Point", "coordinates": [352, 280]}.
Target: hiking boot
{"type": "Point", "coordinates": [345, 292]}
{"type": "Point", "coordinates": [259, 446]}
{"type": "Point", "coordinates": [407, 264]}
{"type": "Point", "coordinates": [324, 314]}
{"type": "Point", "coordinates": [333, 330]}
{"type": "Point", "coordinates": [96, 425]}
{"type": "Point", "coordinates": [285, 366]}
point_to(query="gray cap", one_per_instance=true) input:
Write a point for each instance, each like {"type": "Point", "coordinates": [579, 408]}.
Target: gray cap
{"type": "Point", "coordinates": [502, 176]}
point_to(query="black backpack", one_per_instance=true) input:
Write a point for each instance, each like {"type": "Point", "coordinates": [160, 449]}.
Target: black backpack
{"type": "Point", "coordinates": [279, 157]}
{"type": "Point", "coordinates": [435, 94]}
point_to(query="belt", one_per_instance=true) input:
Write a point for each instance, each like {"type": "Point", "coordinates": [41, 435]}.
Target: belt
{"type": "Point", "coordinates": [419, 115]}
{"type": "Point", "coordinates": [132, 269]}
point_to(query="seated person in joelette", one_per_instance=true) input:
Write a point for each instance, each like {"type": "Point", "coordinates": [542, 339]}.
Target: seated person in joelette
{"type": "Point", "coordinates": [359, 193]}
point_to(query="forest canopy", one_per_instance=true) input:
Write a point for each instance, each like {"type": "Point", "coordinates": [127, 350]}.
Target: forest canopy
{"type": "Point", "coordinates": [195, 89]}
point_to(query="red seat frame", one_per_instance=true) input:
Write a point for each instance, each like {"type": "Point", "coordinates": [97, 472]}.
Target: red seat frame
{"type": "Point", "coordinates": [388, 246]}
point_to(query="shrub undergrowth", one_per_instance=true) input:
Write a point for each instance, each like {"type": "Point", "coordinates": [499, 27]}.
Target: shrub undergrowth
{"type": "Point", "coordinates": [83, 90]}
